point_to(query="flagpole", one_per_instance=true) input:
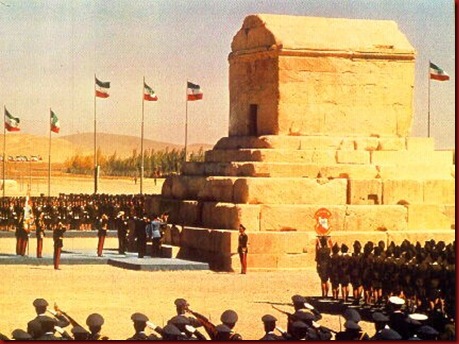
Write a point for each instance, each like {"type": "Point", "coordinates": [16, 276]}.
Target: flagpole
{"type": "Point", "coordinates": [186, 118]}
{"type": "Point", "coordinates": [96, 167]}
{"type": "Point", "coordinates": [142, 161]}
{"type": "Point", "coordinates": [428, 102]}
{"type": "Point", "coordinates": [4, 147]}
{"type": "Point", "coordinates": [49, 156]}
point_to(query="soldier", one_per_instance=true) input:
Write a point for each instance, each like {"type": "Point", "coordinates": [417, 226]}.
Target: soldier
{"type": "Point", "coordinates": [140, 234]}
{"type": "Point", "coordinates": [172, 333]}
{"type": "Point", "coordinates": [95, 322]}
{"type": "Point", "coordinates": [352, 332]}
{"type": "Point", "coordinates": [34, 327]}
{"type": "Point", "coordinates": [40, 234]}
{"type": "Point", "coordinates": [343, 272]}
{"type": "Point", "coordinates": [229, 318]}
{"type": "Point", "coordinates": [242, 248]}
{"type": "Point", "coordinates": [323, 250]}
{"type": "Point", "coordinates": [335, 271]}
{"type": "Point", "coordinates": [58, 238]}
{"type": "Point", "coordinates": [181, 307]}
{"type": "Point", "coordinates": [269, 323]}
{"type": "Point", "coordinates": [101, 234]}
{"type": "Point", "coordinates": [18, 334]}
{"type": "Point", "coordinates": [184, 325]}
{"type": "Point", "coordinates": [47, 325]}
{"type": "Point", "coordinates": [140, 322]}
{"type": "Point", "coordinates": [355, 272]}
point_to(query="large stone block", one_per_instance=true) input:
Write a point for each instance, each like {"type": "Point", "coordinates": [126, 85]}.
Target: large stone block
{"type": "Point", "coordinates": [365, 191]}
{"type": "Point", "coordinates": [428, 216]}
{"type": "Point", "coordinates": [286, 218]}
{"type": "Point", "coordinates": [186, 187]}
{"type": "Point", "coordinates": [391, 144]}
{"type": "Point", "coordinates": [415, 171]}
{"type": "Point", "coordinates": [420, 144]}
{"type": "Point", "coordinates": [399, 191]}
{"type": "Point", "coordinates": [229, 215]}
{"type": "Point", "coordinates": [290, 191]}
{"type": "Point", "coordinates": [440, 191]}
{"type": "Point", "coordinates": [218, 189]}
{"type": "Point", "coordinates": [352, 157]}
{"type": "Point", "coordinates": [403, 157]}
{"type": "Point", "coordinates": [375, 218]}
{"type": "Point", "coordinates": [348, 171]}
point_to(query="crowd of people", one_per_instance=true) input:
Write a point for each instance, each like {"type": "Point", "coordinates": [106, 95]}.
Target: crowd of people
{"type": "Point", "coordinates": [83, 212]}
{"type": "Point", "coordinates": [422, 276]}
{"type": "Point", "coordinates": [303, 323]}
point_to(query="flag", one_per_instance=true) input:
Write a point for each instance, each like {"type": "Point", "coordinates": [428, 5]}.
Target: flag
{"type": "Point", "coordinates": [11, 123]}
{"type": "Point", "coordinates": [193, 92]}
{"type": "Point", "coordinates": [436, 73]}
{"type": "Point", "coordinates": [148, 93]}
{"type": "Point", "coordinates": [55, 125]}
{"type": "Point", "coordinates": [102, 89]}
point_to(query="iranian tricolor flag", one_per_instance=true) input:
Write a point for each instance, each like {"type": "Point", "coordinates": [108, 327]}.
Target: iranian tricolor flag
{"type": "Point", "coordinates": [148, 93]}
{"type": "Point", "coordinates": [55, 125]}
{"type": "Point", "coordinates": [436, 73]}
{"type": "Point", "coordinates": [194, 91]}
{"type": "Point", "coordinates": [102, 88]}
{"type": "Point", "coordinates": [11, 123]}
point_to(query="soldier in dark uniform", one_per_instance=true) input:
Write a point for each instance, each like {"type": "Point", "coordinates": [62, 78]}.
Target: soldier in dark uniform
{"type": "Point", "coordinates": [335, 260]}
{"type": "Point", "coordinates": [343, 272]}
{"type": "Point", "coordinates": [58, 238]}
{"type": "Point", "coordinates": [172, 333]}
{"type": "Point", "coordinates": [181, 308]}
{"type": "Point", "coordinates": [47, 325]}
{"type": "Point", "coordinates": [80, 333]}
{"type": "Point", "coordinates": [355, 272]}
{"type": "Point", "coordinates": [352, 331]}
{"type": "Point", "coordinates": [101, 234]}
{"type": "Point", "coordinates": [323, 251]}
{"type": "Point", "coordinates": [95, 322]}
{"type": "Point", "coordinates": [242, 248]}
{"type": "Point", "coordinates": [229, 318]}
{"type": "Point", "coordinates": [189, 332]}
{"type": "Point", "coordinates": [269, 323]}
{"type": "Point", "coordinates": [141, 236]}
{"type": "Point", "coordinates": [34, 327]}
{"type": "Point", "coordinates": [140, 323]}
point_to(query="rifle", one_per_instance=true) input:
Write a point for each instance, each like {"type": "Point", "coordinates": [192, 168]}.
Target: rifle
{"type": "Point", "coordinates": [57, 310]}
{"type": "Point", "coordinates": [275, 303]}
{"type": "Point", "coordinates": [208, 326]}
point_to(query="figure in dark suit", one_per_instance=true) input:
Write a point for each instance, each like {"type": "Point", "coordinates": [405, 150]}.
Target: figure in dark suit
{"type": "Point", "coordinates": [242, 248]}
{"type": "Point", "coordinates": [58, 238]}
{"type": "Point", "coordinates": [101, 234]}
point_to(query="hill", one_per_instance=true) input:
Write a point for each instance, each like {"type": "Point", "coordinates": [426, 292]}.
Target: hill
{"type": "Point", "coordinates": [64, 147]}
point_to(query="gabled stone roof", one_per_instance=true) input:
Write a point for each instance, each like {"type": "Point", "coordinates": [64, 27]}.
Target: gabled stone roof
{"type": "Point", "coordinates": [285, 32]}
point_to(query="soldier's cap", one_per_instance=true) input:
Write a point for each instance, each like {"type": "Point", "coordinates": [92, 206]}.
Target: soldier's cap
{"type": "Point", "coordinates": [40, 303]}
{"type": "Point", "coordinates": [139, 317]}
{"type": "Point", "coordinates": [171, 330]}
{"type": "Point", "coordinates": [396, 300]}
{"type": "Point", "coordinates": [427, 330]}
{"type": "Point", "coordinates": [352, 325]}
{"type": "Point", "coordinates": [94, 319]}
{"type": "Point", "coordinates": [389, 334]}
{"type": "Point", "coordinates": [418, 316]}
{"type": "Point", "coordinates": [222, 328]}
{"type": "Point", "coordinates": [268, 318]}
{"type": "Point", "coordinates": [299, 324]}
{"type": "Point", "coordinates": [229, 317]}
{"type": "Point", "coordinates": [304, 315]}
{"type": "Point", "coordinates": [19, 334]}
{"type": "Point", "coordinates": [412, 321]}
{"type": "Point", "coordinates": [179, 320]}
{"type": "Point", "coordinates": [297, 299]}
{"type": "Point", "coordinates": [79, 330]}
{"type": "Point", "coordinates": [352, 314]}
{"type": "Point", "coordinates": [181, 303]}
{"type": "Point", "coordinates": [379, 317]}
{"type": "Point", "coordinates": [344, 248]}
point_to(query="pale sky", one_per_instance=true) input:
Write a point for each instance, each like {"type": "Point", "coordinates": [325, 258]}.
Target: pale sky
{"type": "Point", "coordinates": [52, 49]}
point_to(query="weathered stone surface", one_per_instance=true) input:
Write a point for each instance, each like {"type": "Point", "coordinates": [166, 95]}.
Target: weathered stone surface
{"type": "Point", "coordinates": [441, 191]}
{"type": "Point", "coordinates": [290, 191]}
{"type": "Point", "coordinates": [359, 157]}
{"type": "Point", "coordinates": [439, 158]}
{"type": "Point", "coordinates": [365, 191]}
{"type": "Point", "coordinates": [229, 215]}
{"type": "Point", "coordinates": [420, 144]}
{"type": "Point", "coordinates": [391, 144]}
{"type": "Point", "coordinates": [416, 171]}
{"type": "Point", "coordinates": [399, 191]}
{"type": "Point", "coordinates": [428, 216]}
{"type": "Point", "coordinates": [218, 189]}
{"type": "Point", "coordinates": [375, 218]}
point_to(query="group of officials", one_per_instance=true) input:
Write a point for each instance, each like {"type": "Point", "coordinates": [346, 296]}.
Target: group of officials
{"type": "Point", "coordinates": [392, 323]}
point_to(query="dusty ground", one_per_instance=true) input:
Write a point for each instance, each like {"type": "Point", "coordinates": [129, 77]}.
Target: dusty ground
{"type": "Point", "coordinates": [117, 293]}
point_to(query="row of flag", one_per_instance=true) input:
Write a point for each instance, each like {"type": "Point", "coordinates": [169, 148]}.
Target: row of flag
{"type": "Point", "coordinates": [194, 91]}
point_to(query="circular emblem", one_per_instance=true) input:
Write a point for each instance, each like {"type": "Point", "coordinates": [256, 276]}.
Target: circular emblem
{"type": "Point", "coordinates": [322, 217]}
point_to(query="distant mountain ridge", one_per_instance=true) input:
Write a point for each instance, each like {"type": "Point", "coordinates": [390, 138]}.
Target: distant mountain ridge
{"type": "Point", "coordinates": [64, 147]}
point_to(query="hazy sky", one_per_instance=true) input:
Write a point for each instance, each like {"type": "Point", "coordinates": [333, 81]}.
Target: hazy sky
{"type": "Point", "coordinates": [50, 51]}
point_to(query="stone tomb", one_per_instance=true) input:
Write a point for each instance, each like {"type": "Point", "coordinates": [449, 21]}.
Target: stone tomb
{"type": "Point", "coordinates": [320, 116]}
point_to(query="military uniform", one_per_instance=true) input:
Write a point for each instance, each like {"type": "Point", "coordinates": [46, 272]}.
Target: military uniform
{"type": "Point", "coordinates": [58, 238]}
{"type": "Point", "coordinates": [95, 322]}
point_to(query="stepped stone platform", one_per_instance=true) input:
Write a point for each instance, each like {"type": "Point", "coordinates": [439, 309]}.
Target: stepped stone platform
{"type": "Point", "coordinates": [321, 111]}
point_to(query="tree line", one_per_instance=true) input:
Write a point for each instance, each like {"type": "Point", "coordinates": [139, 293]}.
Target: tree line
{"type": "Point", "coordinates": [157, 163]}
